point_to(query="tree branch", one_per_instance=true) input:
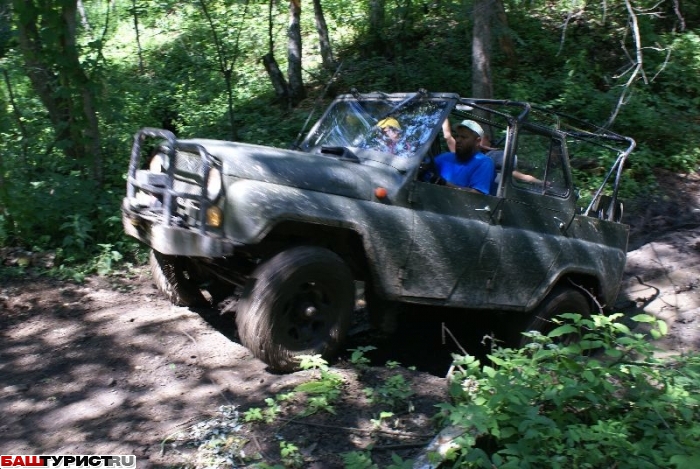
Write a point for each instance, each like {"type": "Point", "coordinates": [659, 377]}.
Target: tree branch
{"type": "Point", "coordinates": [637, 64]}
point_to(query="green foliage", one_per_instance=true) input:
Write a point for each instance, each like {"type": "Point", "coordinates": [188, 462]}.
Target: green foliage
{"type": "Point", "coordinates": [394, 392]}
{"type": "Point", "coordinates": [363, 460]}
{"type": "Point", "coordinates": [358, 358]}
{"type": "Point", "coordinates": [605, 401]}
{"type": "Point", "coordinates": [291, 457]}
{"type": "Point", "coordinates": [322, 393]}
{"type": "Point", "coordinates": [268, 414]}
{"type": "Point", "coordinates": [359, 460]}
{"type": "Point", "coordinates": [377, 423]}
{"type": "Point", "coordinates": [550, 405]}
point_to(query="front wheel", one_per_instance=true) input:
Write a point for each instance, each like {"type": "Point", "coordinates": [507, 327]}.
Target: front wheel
{"type": "Point", "coordinates": [175, 277]}
{"type": "Point", "coordinates": [299, 302]}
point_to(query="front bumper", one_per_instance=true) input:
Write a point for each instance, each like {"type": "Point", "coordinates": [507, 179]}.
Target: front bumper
{"type": "Point", "coordinates": [173, 240]}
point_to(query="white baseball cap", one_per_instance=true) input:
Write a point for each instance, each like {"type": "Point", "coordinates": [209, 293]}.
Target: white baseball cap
{"type": "Point", "coordinates": [473, 126]}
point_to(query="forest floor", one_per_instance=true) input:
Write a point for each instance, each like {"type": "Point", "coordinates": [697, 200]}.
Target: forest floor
{"type": "Point", "coordinates": [110, 367]}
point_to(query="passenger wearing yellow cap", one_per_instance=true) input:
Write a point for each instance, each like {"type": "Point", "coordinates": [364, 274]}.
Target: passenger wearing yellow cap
{"type": "Point", "coordinates": [391, 133]}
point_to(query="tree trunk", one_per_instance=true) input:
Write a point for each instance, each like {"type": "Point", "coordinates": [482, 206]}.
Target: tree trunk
{"type": "Point", "coordinates": [24, 134]}
{"type": "Point", "coordinates": [376, 25]}
{"type": "Point", "coordinates": [276, 77]}
{"type": "Point", "coordinates": [279, 83]}
{"type": "Point", "coordinates": [225, 65]}
{"type": "Point", "coordinates": [376, 16]}
{"type": "Point", "coordinates": [323, 38]}
{"type": "Point", "coordinates": [139, 50]}
{"type": "Point", "coordinates": [504, 39]}
{"type": "Point", "coordinates": [5, 27]}
{"type": "Point", "coordinates": [296, 82]}
{"type": "Point", "coordinates": [481, 49]}
{"type": "Point", "coordinates": [47, 40]}
{"type": "Point", "coordinates": [83, 16]}
{"type": "Point", "coordinates": [5, 200]}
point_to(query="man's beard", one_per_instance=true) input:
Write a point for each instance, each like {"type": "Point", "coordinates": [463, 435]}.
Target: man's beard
{"type": "Point", "coordinates": [464, 154]}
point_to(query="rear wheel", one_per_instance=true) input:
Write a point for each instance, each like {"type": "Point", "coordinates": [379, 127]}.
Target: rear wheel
{"type": "Point", "coordinates": [561, 300]}
{"type": "Point", "coordinates": [176, 278]}
{"type": "Point", "coordinates": [299, 302]}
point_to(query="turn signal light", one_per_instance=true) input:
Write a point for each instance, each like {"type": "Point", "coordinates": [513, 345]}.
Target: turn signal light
{"type": "Point", "coordinates": [380, 192]}
{"type": "Point", "coordinates": [214, 216]}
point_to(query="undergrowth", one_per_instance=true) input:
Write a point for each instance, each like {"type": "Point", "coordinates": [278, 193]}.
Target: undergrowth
{"type": "Point", "coordinates": [606, 401]}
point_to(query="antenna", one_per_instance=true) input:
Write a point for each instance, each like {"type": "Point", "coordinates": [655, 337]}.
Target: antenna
{"type": "Point", "coordinates": [295, 146]}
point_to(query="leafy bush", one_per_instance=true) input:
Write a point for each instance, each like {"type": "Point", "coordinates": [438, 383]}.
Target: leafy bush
{"type": "Point", "coordinates": [549, 405]}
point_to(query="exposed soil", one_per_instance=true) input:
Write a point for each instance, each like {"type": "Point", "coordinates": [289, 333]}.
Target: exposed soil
{"type": "Point", "coordinates": [109, 367]}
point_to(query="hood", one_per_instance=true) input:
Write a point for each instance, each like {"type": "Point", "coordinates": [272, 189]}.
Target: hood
{"type": "Point", "coordinates": [312, 171]}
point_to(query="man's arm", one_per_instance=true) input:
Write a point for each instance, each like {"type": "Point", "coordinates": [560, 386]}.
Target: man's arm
{"type": "Point", "coordinates": [447, 134]}
{"type": "Point", "coordinates": [463, 188]}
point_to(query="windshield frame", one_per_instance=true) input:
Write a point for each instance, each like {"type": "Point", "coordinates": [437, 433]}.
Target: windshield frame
{"type": "Point", "coordinates": [351, 122]}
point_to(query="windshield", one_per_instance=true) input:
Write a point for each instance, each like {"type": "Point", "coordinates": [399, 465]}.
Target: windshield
{"type": "Point", "coordinates": [399, 126]}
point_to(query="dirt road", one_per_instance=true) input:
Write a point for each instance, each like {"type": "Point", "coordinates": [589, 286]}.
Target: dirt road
{"type": "Point", "coordinates": [109, 367]}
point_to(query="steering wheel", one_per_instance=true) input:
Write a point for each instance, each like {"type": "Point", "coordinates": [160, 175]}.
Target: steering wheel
{"type": "Point", "coordinates": [427, 168]}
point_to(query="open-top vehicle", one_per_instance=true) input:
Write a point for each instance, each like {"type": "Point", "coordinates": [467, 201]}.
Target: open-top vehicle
{"type": "Point", "coordinates": [281, 236]}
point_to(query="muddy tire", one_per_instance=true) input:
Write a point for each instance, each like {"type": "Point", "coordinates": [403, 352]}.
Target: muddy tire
{"type": "Point", "coordinates": [299, 302]}
{"type": "Point", "coordinates": [175, 280]}
{"type": "Point", "coordinates": [560, 300]}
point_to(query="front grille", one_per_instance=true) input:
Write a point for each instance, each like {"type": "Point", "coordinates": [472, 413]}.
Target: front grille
{"type": "Point", "coordinates": [186, 187]}
{"type": "Point", "coordinates": [187, 183]}
{"type": "Point", "coordinates": [175, 196]}
{"type": "Point", "coordinates": [187, 163]}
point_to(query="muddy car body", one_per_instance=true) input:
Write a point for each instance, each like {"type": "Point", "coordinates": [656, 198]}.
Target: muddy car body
{"type": "Point", "coordinates": [281, 236]}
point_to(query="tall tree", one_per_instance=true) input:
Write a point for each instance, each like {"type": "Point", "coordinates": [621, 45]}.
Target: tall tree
{"type": "Point", "coordinates": [134, 10]}
{"type": "Point", "coordinates": [47, 33]}
{"type": "Point", "coordinates": [279, 83]}
{"type": "Point", "coordinates": [225, 62]}
{"type": "Point", "coordinates": [503, 34]}
{"type": "Point", "coordinates": [482, 86]}
{"type": "Point", "coordinates": [5, 27]}
{"type": "Point", "coordinates": [296, 82]}
{"type": "Point", "coordinates": [323, 37]}
{"type": "Point", "coordinates": [376, 16]}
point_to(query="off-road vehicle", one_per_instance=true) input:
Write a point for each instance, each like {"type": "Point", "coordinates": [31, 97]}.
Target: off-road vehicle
{"type": "Point", "coordinates": [282, 236]}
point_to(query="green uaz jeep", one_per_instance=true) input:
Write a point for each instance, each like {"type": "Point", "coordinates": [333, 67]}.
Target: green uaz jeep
{"type": "Point", "coordinates": [282, 236]}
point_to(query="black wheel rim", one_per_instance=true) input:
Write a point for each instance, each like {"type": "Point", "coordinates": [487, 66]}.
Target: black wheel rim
{"type": "Point", "coordinates": [307, 315]}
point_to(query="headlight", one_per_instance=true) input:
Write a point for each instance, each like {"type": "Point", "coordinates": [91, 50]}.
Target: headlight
{"type": "Point", "coordinates": [214, 184]}
{"type": "Point", "coordinates": [159, 163]}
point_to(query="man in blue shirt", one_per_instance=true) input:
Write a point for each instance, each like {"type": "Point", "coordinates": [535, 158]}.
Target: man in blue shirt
{"type": "Point", "coordinates": [467, 168]}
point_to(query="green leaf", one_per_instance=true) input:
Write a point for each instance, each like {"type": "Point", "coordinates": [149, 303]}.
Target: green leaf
{"type": "Point", "coordinates": [621, 328]}
{"type": "Point", "coordinates": [683, 461]}
{"type": "Point", "coordinates": [646, 318]}
{"type": "Point", "coordinates": [562, 330]}
{"type": "Point", "coordinates": [663, 327]}
{"type": "Point", "coordinates": [313, 387]}
{"type": "Point", "coordinates": [496, 361]}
